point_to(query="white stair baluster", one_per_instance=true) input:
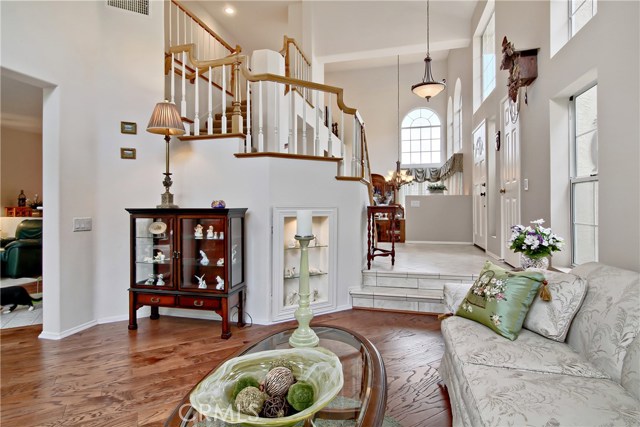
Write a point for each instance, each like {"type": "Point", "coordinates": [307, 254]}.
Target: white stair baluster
{"type": "Point", "coordinates": [342, 143]}
{"type": "Point", "coordinates": [224, 100]}
{"type": "Point", "coordinates": [316, 142]}
{"type": "Point", "coordinates": [173, 78]}
{"type": "Point", "coordinates": [329, 127]}
{"type": "Point", "coordinates": [183, 102]}
{"type": "Point", "coordinates": [260, 119]}
{"type": "Point", "coordinates": [248, 138]}
{"type": "Point", "coordinates": [354, 149]}
{"type": "Point", "coordinates": [276, 126]}
{"type": "Point", "coordinates": [210, 105]}
{"type": "Point", "coordinates": [196, 112]}
{"type": "Point", "coordinates": [304, 125]}
{"type": "Point", "coordinates": [291, 117]}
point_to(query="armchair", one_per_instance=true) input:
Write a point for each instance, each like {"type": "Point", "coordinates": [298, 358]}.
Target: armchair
{"type": "Point", "coordinates": [22, 256]}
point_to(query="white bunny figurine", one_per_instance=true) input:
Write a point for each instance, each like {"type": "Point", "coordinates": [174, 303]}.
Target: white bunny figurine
{"type": "Point", "coordinates": [201, 283]}
{"type": "Point", "coordinates": [204, 260]}
{"type": "Point", "coordinates": [220, 285]}
{"type": "Point", "coordinates": [160, 281]}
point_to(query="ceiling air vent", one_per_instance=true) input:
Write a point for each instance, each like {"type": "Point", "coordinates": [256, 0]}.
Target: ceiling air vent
{"type": "Point", "coordinates": [138, 6]}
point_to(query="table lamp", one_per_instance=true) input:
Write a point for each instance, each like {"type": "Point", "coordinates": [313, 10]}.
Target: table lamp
{"type": "Point", "coordinates": [165, 120]}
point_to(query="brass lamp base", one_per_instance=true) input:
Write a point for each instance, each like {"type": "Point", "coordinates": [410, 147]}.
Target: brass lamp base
{"type": "Point", "coordinates": [167, 201]}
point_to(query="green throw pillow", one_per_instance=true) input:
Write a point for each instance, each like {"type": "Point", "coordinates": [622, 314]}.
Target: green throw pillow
{"type": "Point", "coordinates": [500, 299]}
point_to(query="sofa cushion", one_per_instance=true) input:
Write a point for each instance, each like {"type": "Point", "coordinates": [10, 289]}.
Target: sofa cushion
{"type": "Point", "coordinates": [500, 299]}
{"type": "Point", "coordinates": [609, 319]}
{"type": "Point", "coordinates": [552, 319]}
{"type": "Point", "coordinates": [631, 369]}
{"type": "Point", "coordinates": [472, 343]}
{"type": "Point", "coordinates": [506, 397]}
{"type": "Point", "coordinates": [454, 294]}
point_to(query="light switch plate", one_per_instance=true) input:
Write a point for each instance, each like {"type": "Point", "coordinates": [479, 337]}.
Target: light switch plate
{"type": "Point", "coordinates": [82, 224]}
{"type": "Point", "coordinates": [415, 203]}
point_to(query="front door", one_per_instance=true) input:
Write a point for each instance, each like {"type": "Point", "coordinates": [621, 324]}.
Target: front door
{"type": "Point", "coordinates": [480, 186]}
{"type": "Point", "coordinates": [510, 178]}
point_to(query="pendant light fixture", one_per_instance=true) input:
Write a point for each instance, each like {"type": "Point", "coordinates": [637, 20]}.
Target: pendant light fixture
{"type": "Point", "coordinates": [428, 87]}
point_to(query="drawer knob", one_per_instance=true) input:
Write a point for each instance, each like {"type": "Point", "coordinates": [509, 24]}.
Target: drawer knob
{"type": "Point", "coordinates": [155, 300]}
{"type": "Point", "coordinates": [198, 303]}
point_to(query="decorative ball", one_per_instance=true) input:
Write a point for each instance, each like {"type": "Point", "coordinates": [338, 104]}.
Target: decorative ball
{"type": "Point", "coordinates": [217, 204]}
{"type": "Point", "coordinates": [278, 381]}
{"type": "Point", "coordinates": [281, 362]}
{"type": "Point", "coordinates": [275, 407]}
{"type": "Point", "coordinates": [300, 396]}
{"type": "Point", "coordinates": [250, 401]}
{"type": "Point", "coordinates": [243, 383]}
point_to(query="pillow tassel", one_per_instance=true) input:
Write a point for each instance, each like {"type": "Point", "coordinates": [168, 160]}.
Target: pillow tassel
{"type": "Point", "coordinates": [545, 295]}
{"type": "Point", "coordinates": [444, 316]}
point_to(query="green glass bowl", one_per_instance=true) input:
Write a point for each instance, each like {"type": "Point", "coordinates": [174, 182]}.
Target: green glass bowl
{"type": "Point", "coordinates": [317, 366]}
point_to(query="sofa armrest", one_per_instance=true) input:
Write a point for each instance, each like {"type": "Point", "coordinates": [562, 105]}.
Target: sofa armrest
{"type": "Point", "coordinates": [23, 243]}
{"type": "Point", "coordinates": [454, 293]}
{"type": "Point", "coordinates": [5, 241]}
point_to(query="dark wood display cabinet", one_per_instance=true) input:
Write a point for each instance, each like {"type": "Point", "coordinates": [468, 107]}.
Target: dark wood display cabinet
{"type": "Point", "coordinates": [187, 258]}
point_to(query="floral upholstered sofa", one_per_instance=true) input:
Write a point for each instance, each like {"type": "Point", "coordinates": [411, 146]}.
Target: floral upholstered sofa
{"type": "Point", "coordinates": [591, 379]}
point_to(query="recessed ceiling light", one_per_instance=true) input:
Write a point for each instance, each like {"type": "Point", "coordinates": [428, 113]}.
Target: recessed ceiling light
{"type": "Point", "coordinates": [229, 10]}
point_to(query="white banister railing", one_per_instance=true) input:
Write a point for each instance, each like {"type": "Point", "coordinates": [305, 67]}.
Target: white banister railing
{"type": "Point", "coordinates": [296, 66]}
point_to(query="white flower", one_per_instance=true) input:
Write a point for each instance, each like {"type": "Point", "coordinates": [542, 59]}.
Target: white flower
{"type": "Point", "coordinates": [538, 221]}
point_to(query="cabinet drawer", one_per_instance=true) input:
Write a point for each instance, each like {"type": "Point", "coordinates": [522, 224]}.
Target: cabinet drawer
{"type": "Point", "coordinates": [149, 299]}
{"type": "Point", "coordinates": [196, 302]}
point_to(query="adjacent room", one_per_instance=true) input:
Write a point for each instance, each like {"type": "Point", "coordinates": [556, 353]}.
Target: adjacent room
{"type": "Point", "coordinates": [320, 213]}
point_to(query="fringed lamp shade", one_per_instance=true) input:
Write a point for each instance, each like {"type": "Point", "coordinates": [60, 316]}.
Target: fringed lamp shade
{"type": "Point", "coordinates": [165, 120]}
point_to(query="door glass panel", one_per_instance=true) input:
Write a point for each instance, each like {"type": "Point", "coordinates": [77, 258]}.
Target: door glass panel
{"type": "Point", "coordinates": [153, 252]}
{"type": "Point", "coordinates": [202, 253]}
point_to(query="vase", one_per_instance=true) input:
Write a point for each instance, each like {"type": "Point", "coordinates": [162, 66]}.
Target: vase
{"type": "Point", "coordinates": [528, 262]}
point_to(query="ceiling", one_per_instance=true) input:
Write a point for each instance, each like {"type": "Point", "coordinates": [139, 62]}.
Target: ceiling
{"type": "Point", "coordinates": [351, 34]}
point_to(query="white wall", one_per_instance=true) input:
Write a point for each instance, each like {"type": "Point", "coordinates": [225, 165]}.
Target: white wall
{"type": "Point", "coordinates": [600, 51]}
{"type": "Point", "coordinates": [21, 166]}
{"type": "Point", "coordinates": [98, 66]}
{"type": "Point", "coordinates": [374, 92]}
{"type": "Point", "coordinates": [439, 218]}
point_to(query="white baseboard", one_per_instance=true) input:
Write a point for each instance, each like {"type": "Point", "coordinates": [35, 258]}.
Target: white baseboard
{"type": "Point", "coordinates": [58, 336]}
{"type": "Point", "coordinates": [494, 256]}
{"type": "Point", "coordinates": [433, 242]}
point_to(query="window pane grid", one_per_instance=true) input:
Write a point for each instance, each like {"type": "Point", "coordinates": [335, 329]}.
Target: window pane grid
{"type": "Point", "coordinates": [488, 58]}
{"type": "Point", "coordinates": [420, 138]}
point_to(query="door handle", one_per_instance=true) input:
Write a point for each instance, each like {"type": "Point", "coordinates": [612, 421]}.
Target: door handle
{"type": "Point", "coordinates": [198, 303]}
{"type": "Point", "coordinates": [502, 191]}
{"type": "Point", "coordinates": [483, 194]}
{"type": "Point", "coordinates": [155, 300]}
{"type": "Point", "coordinates": [484, 184]}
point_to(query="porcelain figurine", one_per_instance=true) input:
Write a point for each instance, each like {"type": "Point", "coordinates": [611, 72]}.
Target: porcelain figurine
{"type": "Point", "coordinates": [147, 259]}
{"type": "Point", "coordinates": [204, 260]}
{"type": "Point", "coordinates": [215, 235]}
{"type": "Point", "coordinates": [315, 295]}
{"type": "Point", "coordinates": [150, 280]}
{"type": "Point", "coordinates": [159, 257]}
{"type": "Point", "coordinates": [160, 281]}
{"type": "Point", "coordinates": [201, 282]}
{"type": "Point", "coordinates": [220, 285]}
{"type": "Point", "coordinates": [210, 232]}
{"type": "Point", "coordinates": [287, 273]}
{"type": "Point", "coordinates": [234, 252]}
{"type": "Point", "coordinates": [221, 235]}
{"type": "Point", "coordinates": [220, 262]}
{"type": "Point", "coordinates": [198, 231]}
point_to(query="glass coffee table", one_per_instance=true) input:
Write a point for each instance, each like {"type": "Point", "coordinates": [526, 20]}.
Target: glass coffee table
{"type": "Point", "coordinates": [361, 402]}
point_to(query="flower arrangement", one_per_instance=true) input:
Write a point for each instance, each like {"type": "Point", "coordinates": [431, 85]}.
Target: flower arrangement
{"type": "Point", "coordinates": [535, 241]}
{"type": "Point", "coordinates": [438, 186]}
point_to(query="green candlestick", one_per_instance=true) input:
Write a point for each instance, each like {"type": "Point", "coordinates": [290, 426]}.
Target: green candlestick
{"type": "Point", "coordinates": [304, 336]}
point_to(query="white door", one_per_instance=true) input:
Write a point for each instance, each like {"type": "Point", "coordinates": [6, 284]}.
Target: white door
{"type": "Point", "coordinates": [510, 180]}
{"type": "Point", "coordinates": [480, 186]}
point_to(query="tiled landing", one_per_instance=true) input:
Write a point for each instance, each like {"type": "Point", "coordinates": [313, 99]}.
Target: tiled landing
{"type": "Point", "coordinates": [416, 280]}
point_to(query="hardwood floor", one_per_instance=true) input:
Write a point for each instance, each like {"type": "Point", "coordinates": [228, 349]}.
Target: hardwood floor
{"type": "Point", "coordinates": [109, 376]}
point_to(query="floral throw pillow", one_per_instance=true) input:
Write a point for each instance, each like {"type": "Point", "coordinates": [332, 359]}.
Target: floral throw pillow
{"type": "Point", "coordinates": [500, 299]}
{"type": "Point", "coordinates": [552, 319]}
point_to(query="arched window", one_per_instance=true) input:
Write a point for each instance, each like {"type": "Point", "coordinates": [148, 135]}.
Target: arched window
{"type": "Point", "coordinates": [421, 140]}
{"type": "Point", "coordinates": [457, 117]}
{"type": "Point", "coordinates": [450, 127]}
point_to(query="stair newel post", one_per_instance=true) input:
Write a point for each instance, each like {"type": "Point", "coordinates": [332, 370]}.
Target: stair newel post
{"type": "Point", "coordinates": [342, 143]}
{"type": "Point", "coordinates": [304, 124]}
{"type": "Point", "coordinates": [236, 118]}
{"type": "Point", "coordinates": [276, 126]}
{"type": "Point", "coordinates": [260, 119]}
{"type": "Point", "coordinates": [316, 142]}
{"type": "Point", "coordinates": [329, 126]}
{"type": "Point", "coordinates": [210, 105]}
{"type": "Point", "coordinates": [196, 108]}
{"type": "Point", "coordinates": [224, 99]}
{"type": "Point", "coordinates": [354, 167]}
{"type": "Point", "coordinates": [292, 115]}
{"type": "Point", "coordinates": [183, 101]}
{"type": "Point", "coordinates": [248, 138]}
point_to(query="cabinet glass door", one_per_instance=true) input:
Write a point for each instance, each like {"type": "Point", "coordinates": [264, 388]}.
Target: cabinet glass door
{"type": "Point", "coordinates": [237, 251]}
{"type": "Point", "coordinates": [202, 252]}
{"type": "Point", "coordinates": [154, 252]}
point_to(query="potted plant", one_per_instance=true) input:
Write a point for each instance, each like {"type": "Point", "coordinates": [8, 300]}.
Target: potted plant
{"type": "Point", "coordinates": [437, 187]}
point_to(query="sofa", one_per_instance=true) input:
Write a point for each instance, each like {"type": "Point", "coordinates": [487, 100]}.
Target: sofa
{"type": "Point", "coordinates": [590, 379]}
{"type": "Point", "coordinates": [21, 256]}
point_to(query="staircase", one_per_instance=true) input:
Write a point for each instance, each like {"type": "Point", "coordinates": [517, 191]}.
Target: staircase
{"type": "Point", "coordinates": [404, 291]}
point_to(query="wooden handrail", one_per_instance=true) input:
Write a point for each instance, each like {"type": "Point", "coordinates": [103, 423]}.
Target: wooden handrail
{"type": "Point", "coordinates": [236, 58]}
{"type": "Point", "coordinates": [204, 26]}
{"type": "Point", "coordinates": [284, 52]}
